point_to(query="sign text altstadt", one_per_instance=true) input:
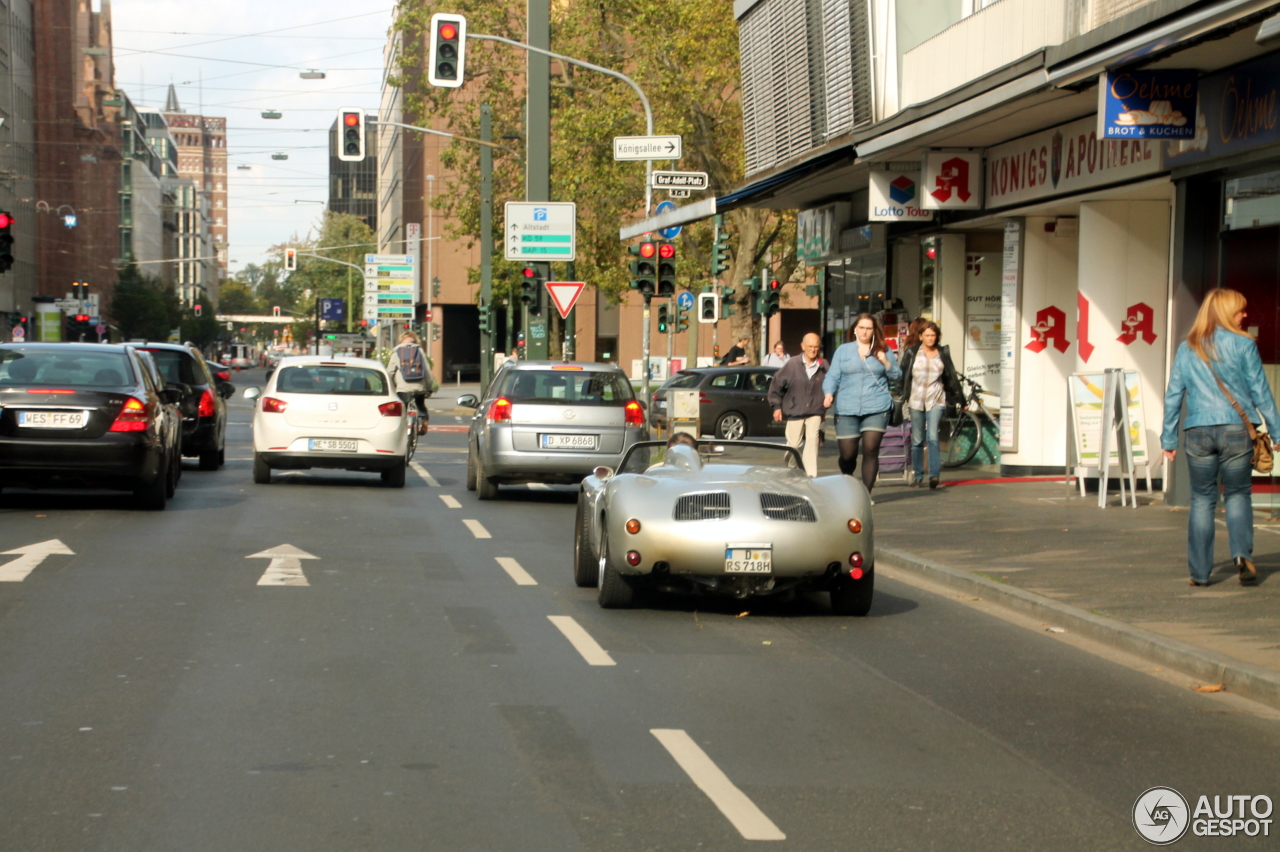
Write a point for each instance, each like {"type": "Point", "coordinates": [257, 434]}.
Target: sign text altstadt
{"type": "Point", "coordinates": [540, 230]}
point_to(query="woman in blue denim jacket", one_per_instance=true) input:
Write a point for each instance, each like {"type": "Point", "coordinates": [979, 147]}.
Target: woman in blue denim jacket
{"type": "Point", "coordinates": [858, 384]}
{"type": "Point", "coordinates": [1215, 435]}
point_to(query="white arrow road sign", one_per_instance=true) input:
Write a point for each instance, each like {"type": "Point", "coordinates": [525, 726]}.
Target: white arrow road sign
{"type": "Point", "coordinates": [286, 566]}
{"type": "Point", "coordinates": [646, 147]}
{"type": "Point", "coordinates": [29, 557]}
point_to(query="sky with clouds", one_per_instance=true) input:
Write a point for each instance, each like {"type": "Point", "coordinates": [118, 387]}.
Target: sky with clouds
{"type": "Point", "coordinates": [238, 58]}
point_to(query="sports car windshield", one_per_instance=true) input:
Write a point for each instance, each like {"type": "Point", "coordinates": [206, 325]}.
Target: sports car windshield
{"type": "Point", "coordinates": [646, 454]}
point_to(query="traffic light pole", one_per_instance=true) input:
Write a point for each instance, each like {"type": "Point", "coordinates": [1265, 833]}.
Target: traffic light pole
{"type": "Point", "coordinates": [537, 169]}
{"type": "Point", "coordinates": [486, 248]}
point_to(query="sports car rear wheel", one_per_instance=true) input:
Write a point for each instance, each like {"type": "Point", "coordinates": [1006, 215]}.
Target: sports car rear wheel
{"type": "Point", "coordinates": [615, 593]}
{"type": "Point", "coordinates": [852, 597]}
{"type": "Point", "coordinates": [586, 571]}
{"type": "Point", "coordinates": [731, 426]}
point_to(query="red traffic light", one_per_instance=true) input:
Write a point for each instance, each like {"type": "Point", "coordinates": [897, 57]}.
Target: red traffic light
{"type": "Point", "coordinates": [364, 323]}
{"type": "Point", "coordinates": [774, 284]}
{"type": "Point", "coordinates": [529, 272]}
{"type": "Point", "coordinates": [666, 250]}
{"type": "Point", "coordinates": [448, 31]}
{"type": "Point", "coordinates": [5, 220]}
{"type": "Point", "coordinates": [82, 317]}
{"type": "Point", "coordinates": [648, 249]}
{"type": "Point", "coordinates": [351, 119]}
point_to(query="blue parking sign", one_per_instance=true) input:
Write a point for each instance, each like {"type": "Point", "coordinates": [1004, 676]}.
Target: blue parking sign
{"type": "Point", "coordinates": [333, 309]}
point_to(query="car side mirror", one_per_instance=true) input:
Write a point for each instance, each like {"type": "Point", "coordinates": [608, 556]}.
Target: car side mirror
{"type": "Point", "coordinates": [469, 400]}
{"type": "Point", "coordinates": [602, 473]}
{"type": "Point", "coordinates": [171, 395]}
{"type": "Point", "coordinates": [252, 393]}
{"type": "Point", "coordinates": [226, 389]}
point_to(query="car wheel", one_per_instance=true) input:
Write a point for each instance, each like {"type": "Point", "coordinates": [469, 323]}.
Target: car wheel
{"type": "Point", "coordinates": [171, 476]}
{"type": "Point", "coordinates": [486, 488]}
{"type": "Point", "coordinates": [586, 571]}
{"type": "Point", "coordinates": [394, 478]}
{"type": "Point", "coordinates": [471, 469]}
{"type": "Point", "coordinates": [261, 471]}
{"type": "Point", "coordinates": [615, 592]}
{"type": "Point", "coordinates": [731, 426]}
{"type": "Point", "coordinates": [209, 460]}
{"type": "Point", "coordinates": [853, 597]}
{"type": "Point", "coordinates": [222, 456]}
{"type": "Point", "coordinates": [151, 498]}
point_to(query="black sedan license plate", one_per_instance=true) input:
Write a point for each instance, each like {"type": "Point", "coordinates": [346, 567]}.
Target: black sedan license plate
{"type": "Point", "coordinates": [51, 419]}
{"type": "Point", "coordinates": [740, 560]}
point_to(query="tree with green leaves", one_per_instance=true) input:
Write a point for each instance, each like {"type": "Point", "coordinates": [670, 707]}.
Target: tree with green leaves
{"type": "Point", "coordinates": [235, 297]}
{"type": "Point", "coordinates": [143, 307]}
{"type": "Point", "coordinates": [342, 237]}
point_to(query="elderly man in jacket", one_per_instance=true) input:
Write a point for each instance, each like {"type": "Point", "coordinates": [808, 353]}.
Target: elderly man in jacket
{"type": "Point", "coordinates": [796, 397]}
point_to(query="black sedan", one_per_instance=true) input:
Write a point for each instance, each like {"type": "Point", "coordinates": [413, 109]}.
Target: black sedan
{"type": "Point", "coordinates": [86, 415]}
{"type": "Point", "coordinates": [203, 404]}
{"type": "Point", "coordinates": [733, 401]}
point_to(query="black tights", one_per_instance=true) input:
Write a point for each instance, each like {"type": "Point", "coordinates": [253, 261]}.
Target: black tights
{"type": "Point", "coordinates": [870, 456]}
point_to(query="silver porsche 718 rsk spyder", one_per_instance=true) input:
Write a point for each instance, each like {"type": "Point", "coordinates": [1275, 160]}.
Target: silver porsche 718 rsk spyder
{"type": "Point", "coordinates": [739, 518]}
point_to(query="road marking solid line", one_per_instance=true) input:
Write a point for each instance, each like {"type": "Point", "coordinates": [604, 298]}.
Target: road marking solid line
{"type": "Point", "coordinates": [750, 821]}
{"type": "Point", "coordinates": [581, 640]}
{"type": "Point", "coordinates": [513, 569]}
{"type": "Point", "coordinates": [451, 501]}
{"type": "Point", "coordinates": [477, 529]}
{"type": "Point", "coordinates": [422, 471]}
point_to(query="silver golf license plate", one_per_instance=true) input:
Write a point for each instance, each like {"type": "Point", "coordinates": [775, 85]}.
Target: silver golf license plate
{"type": "Point", "coordinates": [569, 442]}
{"type": "Point", "coordinates": [748, 560]}
{"type": "Point", "coordinates": [331, 445]}
{"type": "Point", "coordinates": [51, 419]}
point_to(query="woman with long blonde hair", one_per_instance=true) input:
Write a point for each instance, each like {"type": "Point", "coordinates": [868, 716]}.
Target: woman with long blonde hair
{"type": "Point", "coordinates": [1218, 373]}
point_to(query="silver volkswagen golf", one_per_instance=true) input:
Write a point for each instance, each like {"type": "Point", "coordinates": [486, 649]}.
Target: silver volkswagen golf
{"type": "Point", "coordinates": [550, 421]}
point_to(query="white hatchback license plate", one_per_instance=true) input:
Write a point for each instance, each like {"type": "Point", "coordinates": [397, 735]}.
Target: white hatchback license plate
{"type": "Point", "coordinates": [51, 419]}
{"type": "Point", "coordinates": [748, 561]}
{"type": "Point", "coordinates": [330, 445]}
{"type": "Point", "coordinates": [570, 442]}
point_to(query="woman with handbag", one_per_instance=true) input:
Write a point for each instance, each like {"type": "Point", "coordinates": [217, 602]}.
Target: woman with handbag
{"type": "Point", "coordinates": [857, 383]}
{"type": "Point", "coordinates": [929, 386]}
{"type": "Point", "coordinates": [1218, 373]}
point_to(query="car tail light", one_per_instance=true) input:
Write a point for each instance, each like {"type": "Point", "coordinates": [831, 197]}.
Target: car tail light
{"type": "Point", "coordinates": [635, 414]}
{"type": "Point", "coordinates": [633, 526]}
{"type": "Point", "coordinates": [855, 559]}
{"type": "Point", "coordinates": [206, 404]}
{"type": "Point", "coordinates": [856, 574]}
{"type": "Point", "coordinates": [133, 417]}
{"type": "Point", "coordinates": [49, 390]}
{"type": "Point", "coordinates": [633, 558]}
{"type": "Point", "coordinates": [225, 375]}
{"type": "Point", "coordinates": [500, 410]}
{"type": "Point", "coordinates": [391, 409]}
{"type": "Point", "coordinates": [855, 525]}
{"type": "Point", "coordinates": [655, 396]}
{"type": "Point", "coordinates": [271, 405]}
{"type": "Point", "coordinates": [703, 399]}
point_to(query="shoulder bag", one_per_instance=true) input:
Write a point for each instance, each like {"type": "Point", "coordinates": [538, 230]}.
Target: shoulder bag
{"type": "Point", "coordinates": [1262, 457]}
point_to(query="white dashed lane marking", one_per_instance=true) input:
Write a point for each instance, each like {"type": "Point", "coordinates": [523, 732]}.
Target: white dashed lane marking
{"type": "Point", "coordinates": [450, 501]}
{"type": "Point", "coordinates": [422, 471]}
{"type": "Point", "coordinates": [581, 640]}
{"type": "Point", "coordinates": [749, 820]}
{"type": "Point", "coordinates": [477, 529]}
{"type": "Point", "coordinates": [513, 569]}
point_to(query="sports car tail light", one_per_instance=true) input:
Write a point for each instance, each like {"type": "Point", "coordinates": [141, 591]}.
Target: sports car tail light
{"type": "Point", "coordinates": [856, 574]}
{"type": "Point", "coordinates": [855, 525]}
{"type": "Point", "coordinates": [391, 409]}
{"type": "Point", "coordinates": [703, 399]}
{"type": "Point", "coordinates": [206, 404]}
{"type": "Point", "coordinates": [500, 410]}
{"type": "Point", "coordinates": [633, 526]}
{"type": "Point", "coordinates": [633, 558]}
{"type": "Point", "coordinates": [271, 405]}
{"type": "Point", "coordinates": [635, 414]}
{"type": "Point", "coordinates": [133, 417]}
{"type": "Point", "coordinates": [855, 559]}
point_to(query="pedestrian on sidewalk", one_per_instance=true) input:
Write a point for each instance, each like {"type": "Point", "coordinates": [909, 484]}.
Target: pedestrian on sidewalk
{"type": "Point", "coordinates": [857, 384]}
{"type": "Point", "coordinates": [1218, 373]}
{"type": "Point", "coordinates": [737, 354]}
{"type": "Point", "coordinates": [778, 357]}
{"type": "Point", "coordinates": [796, 397]}
{"type": "Point", "coordinates": [411, 372]}
{"type": "Point", "coordinates": [929, 386]}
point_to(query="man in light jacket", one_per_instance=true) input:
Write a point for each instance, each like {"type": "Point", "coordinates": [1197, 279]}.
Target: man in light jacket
{"type": "Point", "coordinates": [796, 397]}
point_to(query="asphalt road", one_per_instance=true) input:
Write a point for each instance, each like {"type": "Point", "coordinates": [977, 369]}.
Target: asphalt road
{"type": "Point", "coordinates": [441, 684]}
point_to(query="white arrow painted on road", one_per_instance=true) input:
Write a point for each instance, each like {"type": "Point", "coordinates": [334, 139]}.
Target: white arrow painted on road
{"type": "Point", "coordinates": [29, 557]}
{"type": "Point", "coordinates": [286, 566]}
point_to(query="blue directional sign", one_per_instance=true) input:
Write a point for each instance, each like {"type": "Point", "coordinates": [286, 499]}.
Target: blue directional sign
{"type": "Point", "coordinates": [333, 309]}
{"type": "Point", "coordinates": [685, 300]}
{"type": "Point", "coordinates": [672, 232]}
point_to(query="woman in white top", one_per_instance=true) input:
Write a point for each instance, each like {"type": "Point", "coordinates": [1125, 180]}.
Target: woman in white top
{"type": "Point", "coordinates": [777, 357]}
{"type": "Point", "coordinates": [929, 385]}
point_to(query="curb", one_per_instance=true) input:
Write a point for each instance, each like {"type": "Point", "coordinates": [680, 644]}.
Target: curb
{"type": "Point", "coordinates": [1244, 679]}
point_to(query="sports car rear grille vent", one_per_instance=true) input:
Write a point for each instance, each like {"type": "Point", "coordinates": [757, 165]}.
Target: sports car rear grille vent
{"type": "Point", "coordinates": [711, 506]}
{"type": "Point", "coordinates": [786, 507]}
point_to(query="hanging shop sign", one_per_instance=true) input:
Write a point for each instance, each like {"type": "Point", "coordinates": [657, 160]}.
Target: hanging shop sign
{"type": "Point", "coordinates": [1238, 112]}
{"type": "Point", "coordinates": [1064, 160]}
{"type": "Point", "coordinates": [952, 180]}
{"type": "Point", "coordinates": [895, 197]}
{"type": "Point", "coordinates": [1147, 104]}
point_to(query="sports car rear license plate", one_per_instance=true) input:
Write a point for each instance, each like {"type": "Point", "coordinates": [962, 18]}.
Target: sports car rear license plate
{"type": "Point", "coordinates": [744, 561]}
{"type": "Point", "coordinates": [570, 442]}
{"type": "Point", "coordinates": [51, 419]}
{"type": "Point", "coordinates": [331, 445]}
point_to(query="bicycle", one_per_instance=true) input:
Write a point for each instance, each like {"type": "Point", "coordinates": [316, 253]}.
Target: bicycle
{"type": "Point", "coordinates": [960, 432]}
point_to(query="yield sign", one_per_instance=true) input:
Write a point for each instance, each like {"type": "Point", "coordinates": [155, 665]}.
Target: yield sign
{"type": "Point", "coordinates": [565, 294]}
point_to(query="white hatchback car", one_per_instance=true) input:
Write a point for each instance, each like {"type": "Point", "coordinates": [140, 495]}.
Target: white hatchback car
{"type": "Point", "coordinates": [320, 412]}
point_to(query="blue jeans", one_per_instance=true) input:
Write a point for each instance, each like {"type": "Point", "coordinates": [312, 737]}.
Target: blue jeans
{"type": "Point", "coordinates": [1214, 451]}
{"type": "Point", "coordinates": [924, 426]}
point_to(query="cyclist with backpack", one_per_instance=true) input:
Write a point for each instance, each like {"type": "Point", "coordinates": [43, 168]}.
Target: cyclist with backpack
{"type": "Point", "coordinates": [409, 370]}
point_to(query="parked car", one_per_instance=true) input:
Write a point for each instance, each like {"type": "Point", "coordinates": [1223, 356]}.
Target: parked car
{"type": "Point", "coordinates": [739, 518]}
{"type": "Point", "coordinates": [316, 412]}
{"type": "Point", "coordinates": [549, 421]}
{"type": "Point", "coordinates": [203, 404]}
{"type": "Point", "coordinates": [88, 415]}
{"type": "Point", "coordinates": [733, 401]}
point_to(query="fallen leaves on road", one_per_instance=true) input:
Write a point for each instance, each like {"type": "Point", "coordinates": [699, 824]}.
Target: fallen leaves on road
{"type": "Point", "coordinates": [1056, 629]}
{"type": "Point", "coordinates": [766, 642]}
{"type": "Point", "coordinates": [743, 614]}
{"type": "Point", "coordinates": [1210, 687]}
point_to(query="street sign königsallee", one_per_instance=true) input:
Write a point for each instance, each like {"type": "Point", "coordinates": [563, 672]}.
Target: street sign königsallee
{"type": "Point", "coordinates": [646, 147]}
{"type": "Point", "coordinates": [540, 230]}
{"type": "Point", "coordinates": [680, 180]}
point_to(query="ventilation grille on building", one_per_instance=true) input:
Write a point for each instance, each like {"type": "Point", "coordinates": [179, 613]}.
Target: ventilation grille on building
{"type": "Point", "coordinates": [786, 507]}
{"type": "Point", "coordinates": [711, 506]}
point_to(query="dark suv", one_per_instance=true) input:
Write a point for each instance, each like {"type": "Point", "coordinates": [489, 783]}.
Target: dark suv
{"type": "Point", "coordinates": [733, 401]}
{"type": "Point", "coordinates": [203, 404]}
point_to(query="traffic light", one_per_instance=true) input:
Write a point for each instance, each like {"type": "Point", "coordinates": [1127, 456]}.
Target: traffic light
{"type": "Point", "coordinates": [290, 259]}
{"type": "Point", "coordinates": [720, 253]}
{"type": "Point", "coordinates": [435, 288]}
{"type": "Point", "coordinates": [666, 268]}
{"type": "Point", "coordinates": [448, 48]}
{"type": "Point", "coordinates": [708, 308]}
{"type": "Point", "coordinates": [530, 287]}
{"type": "Point", "coordinates": [486, 320]}
{"type": "Point", "coordinates": [6, 241]}
{"type": "Point", "coordinates": [664, 318]}
{"type": "Point", "coordinates": [771, 298]}
{"type": "Point", "coordinates": [643, 268]}
{"type": "Point", "coordinates": [197, 308]}
{"type": "Point", "coordinates": [350, 135]}
{"type": "Point", "coordinates": [753, 287]}
{"type": "Point", "coordinates": [682, 319]}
